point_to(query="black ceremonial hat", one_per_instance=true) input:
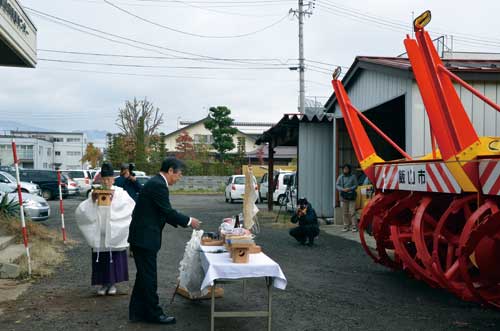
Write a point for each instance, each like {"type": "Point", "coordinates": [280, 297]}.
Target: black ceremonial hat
{"type": "Point", "coordinates": [107, 169]}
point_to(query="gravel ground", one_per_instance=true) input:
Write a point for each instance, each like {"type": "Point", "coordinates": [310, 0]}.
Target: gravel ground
{"type": "Point", "coordinates": [332, 286]}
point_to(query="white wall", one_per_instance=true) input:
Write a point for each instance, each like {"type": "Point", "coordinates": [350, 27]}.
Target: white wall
{"type": "Point", "coordinates": [70, 148]}
{"type": "Point", "coordinates": [39, 151]}
{"type": "Point", "coordinates": [199, 128]}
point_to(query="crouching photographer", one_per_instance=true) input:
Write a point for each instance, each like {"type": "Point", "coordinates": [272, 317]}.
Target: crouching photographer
{"type": "Point", "coordinates": [127, 180]}
{"type": "Point", "coordinates": [308, 228]}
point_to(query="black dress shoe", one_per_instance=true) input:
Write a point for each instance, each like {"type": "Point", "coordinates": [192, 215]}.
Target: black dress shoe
{"type": "Point", "coordinates": [164, 319]}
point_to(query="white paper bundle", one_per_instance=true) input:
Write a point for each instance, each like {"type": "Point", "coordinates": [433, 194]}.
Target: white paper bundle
{"type": "Point", "coordinates": [190, 270]}
{"type": "Point", "coordinates": [250, 209]}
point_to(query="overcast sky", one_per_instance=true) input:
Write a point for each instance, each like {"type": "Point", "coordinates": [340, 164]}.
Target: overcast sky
{"type": "Point", "coordinates": [73, 96]}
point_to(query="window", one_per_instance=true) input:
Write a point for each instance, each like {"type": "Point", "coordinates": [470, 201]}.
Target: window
{"type": "Point", "coordinates": [73, 153]}
{"type": "Point", "coordinates": [58, 153]}
{"type": "Point", "coordinates": [45, 165]}
{"type": "Point", "coordinates": [73, 140]}
{"type": "Point", "coordinates": [3, 179]}
{"type": "Point", "coordinates": [49, 151]}
{"type": "Point", "coordinates": [203, 139]}
{"type": "Point", "coordinates": [239, 180]}
{"type": "Point", "coordinates": [75, 174]}
{"type": "Point", "coordinates": [40, 150]}
{"type": "Point", "coordinates": [58, 140]}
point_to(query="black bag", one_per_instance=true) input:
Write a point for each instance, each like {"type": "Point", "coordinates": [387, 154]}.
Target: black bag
{"type": "Point", "coordinates": [351, 195]}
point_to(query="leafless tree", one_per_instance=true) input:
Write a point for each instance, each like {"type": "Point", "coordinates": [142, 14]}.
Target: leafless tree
{"type": "Point", "coordinates": [128, 117]}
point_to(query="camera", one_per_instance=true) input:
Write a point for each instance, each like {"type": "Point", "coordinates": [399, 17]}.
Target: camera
{"type": "Point", "coordinates": [131, 168]}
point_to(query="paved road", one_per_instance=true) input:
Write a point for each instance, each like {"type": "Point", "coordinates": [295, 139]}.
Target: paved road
{"type": "Point", "coordinates": [332, 286]}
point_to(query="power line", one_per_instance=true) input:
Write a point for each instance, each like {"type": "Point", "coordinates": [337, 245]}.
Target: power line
{"type": "Point", "coordinates": [396, 25]}
{"type": "Point", "coordinates": [185, 4]}
{"type": "Point", "coordinates": [159, 75]}
{"type": "Point", "coordinates": [164, 67]}
{"type": "Point", "coordinates": [327, 64]}
{"type": "Point", "coordinates": [59, 19]}
{"type": "Point", "coordinates": [281, 62]}
{"type": "Point", "coordinates": [195, 34]}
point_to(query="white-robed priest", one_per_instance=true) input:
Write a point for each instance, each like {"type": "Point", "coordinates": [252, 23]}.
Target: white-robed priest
{"type": "Point", "coordinates": [106, 229]}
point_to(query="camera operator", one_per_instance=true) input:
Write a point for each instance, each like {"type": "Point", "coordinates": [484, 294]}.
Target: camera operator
{"type": "Point", "coordinates": [308, 227]}
{"type": "Point", "coordinates": [127, 181]}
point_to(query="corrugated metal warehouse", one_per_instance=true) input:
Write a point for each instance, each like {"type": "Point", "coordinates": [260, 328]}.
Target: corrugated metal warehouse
{"type": "Point", "coordinates": [313, 136]}
{"type": "Point", "coordinates": [385, 90]}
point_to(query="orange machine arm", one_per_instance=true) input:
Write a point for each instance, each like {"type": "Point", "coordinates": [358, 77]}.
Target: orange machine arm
{"type": "Point", "coordinates": [455, 135]}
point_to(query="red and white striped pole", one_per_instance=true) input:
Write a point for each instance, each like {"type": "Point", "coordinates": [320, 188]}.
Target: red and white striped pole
{"type": "Point", "coordinates": [21, 207]}
{"type": "Point", "coordinates": [61, 206]}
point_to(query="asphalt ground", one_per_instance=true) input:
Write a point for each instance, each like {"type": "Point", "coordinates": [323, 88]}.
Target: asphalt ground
{"type": "Point", "coordinates": [331, 286]}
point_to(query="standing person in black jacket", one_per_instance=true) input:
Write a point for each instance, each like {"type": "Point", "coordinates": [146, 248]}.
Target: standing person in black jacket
{"type": "Point", "coordinates": [152, 211]}
{"type": "Point", "coordinates": [127, 181]}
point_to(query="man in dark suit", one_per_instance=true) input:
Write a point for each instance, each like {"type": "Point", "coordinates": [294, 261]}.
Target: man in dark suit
{"type": "Point", "coordinates": [152, 211]}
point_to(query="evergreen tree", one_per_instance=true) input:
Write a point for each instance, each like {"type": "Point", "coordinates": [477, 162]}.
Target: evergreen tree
{"type": "Point", "coordinates": [220, 124]}
{"type": "Point", "coordinates": [140, 150]}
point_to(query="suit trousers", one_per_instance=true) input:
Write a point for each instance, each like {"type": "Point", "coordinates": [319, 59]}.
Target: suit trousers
{"type": "Point", "coordinates": [144, 302]}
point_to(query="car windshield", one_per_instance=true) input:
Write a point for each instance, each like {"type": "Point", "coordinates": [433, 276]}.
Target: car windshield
{"type": "Point", "coordinates": [75, 174]}
{"type": "Point", "coordinates": [6, 188]}
{"type": "Point", "coordinates": [9, 177]}
{"type": "Point", "coordinates": [239, 180]}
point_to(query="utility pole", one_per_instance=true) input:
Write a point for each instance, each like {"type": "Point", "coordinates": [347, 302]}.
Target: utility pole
{"type": "Point", "coordinates": [300, 12]}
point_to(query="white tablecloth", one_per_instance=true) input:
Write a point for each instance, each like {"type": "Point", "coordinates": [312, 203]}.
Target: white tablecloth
{"type": "Point", "coordinates": [221, 266]}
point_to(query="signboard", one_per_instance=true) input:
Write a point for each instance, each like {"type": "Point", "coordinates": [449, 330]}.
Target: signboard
{"type": "Point", "coordinates": [17, 36]}
{"type": "Point", "coordinates": [412, 177]}
{"type": "Point", "coordinates": [419, 177]}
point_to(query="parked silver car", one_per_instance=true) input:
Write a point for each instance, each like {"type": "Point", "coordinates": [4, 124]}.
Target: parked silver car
{"type": "Point", "coordinates": [82, 177]}
{"type": "Point", "coordinates": [73, 187]}
{"type": "Point", "coordinates": [26, 187]}
{"type": "Point", "coordinates": [35, 207]}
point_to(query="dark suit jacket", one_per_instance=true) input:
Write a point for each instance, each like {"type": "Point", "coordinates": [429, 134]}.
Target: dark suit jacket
{"type": "Point", "coordinates": [152, 211]}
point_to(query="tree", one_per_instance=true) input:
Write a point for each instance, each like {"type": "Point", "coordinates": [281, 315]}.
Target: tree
{"type": "Point", "coordinates": [202, 152]}
{"type": "Point", "coordinates": [138, 121]}
{"type": "Point", "coordinates": [242, 149]}
{"type": "Point", "coordinates": [128, 118]}
{"type": "Point", "coordinates": [184, 146]}
{"type": "Point", "coordinates": [92, 155]}
{"type": "Point", "coordinates": [140, 146]}
{"type": "Point", "coordinates": [157, 152]}
{"type": "Point", "coordinates": [116, 151]}
{"type": "Point", "coordinates": [219, 123]}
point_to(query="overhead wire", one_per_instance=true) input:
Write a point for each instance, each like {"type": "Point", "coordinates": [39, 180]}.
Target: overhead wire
{"type": "Point", "coordinates": [99, 54]}
{"type": "Point", "coordinates": [163, 67]}
{"type": "Point", "coordinates": [196, 34]}
{"type": "Point", "coordinates": [65, 22]}
{"type": "Point", "coordinates": [396, 25]}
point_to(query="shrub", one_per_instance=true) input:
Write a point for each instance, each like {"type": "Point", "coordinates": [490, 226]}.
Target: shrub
{"type": "Point", "coordinates": [8, 207]}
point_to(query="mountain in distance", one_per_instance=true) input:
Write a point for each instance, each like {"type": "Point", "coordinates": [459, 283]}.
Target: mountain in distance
{"type": "Point", "coordinates": [94, 135]}
{"type": "Point", "coordinates": [6, 126]}
{"type": "Point", "coordinates": [98, 137]}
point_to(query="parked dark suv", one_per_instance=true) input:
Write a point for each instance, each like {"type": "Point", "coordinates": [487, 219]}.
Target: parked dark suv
{"type": "Point", "coordinates": [47, 180]}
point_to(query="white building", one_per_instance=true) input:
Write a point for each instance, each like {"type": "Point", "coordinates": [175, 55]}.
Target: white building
{"type": "Point", "coordinates": [33, 153]}
{"type": "Point", "coordinates": [68, 147]}
{"type": "Point", "coordinates": [252, 128]}
{"type": "Point", "coordinates": [202, 135]}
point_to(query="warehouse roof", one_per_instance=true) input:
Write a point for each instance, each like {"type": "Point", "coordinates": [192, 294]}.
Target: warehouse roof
{"type": "Point", "coordinates": [467, 69]}
{"type": "Point", "coordinates": [285, 132]}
